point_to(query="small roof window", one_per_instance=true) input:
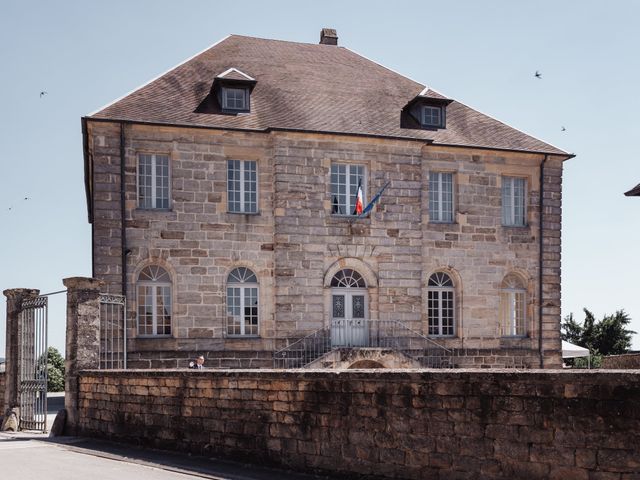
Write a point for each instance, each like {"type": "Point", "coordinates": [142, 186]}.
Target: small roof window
{"type": "Point", "coordinates": [232, 88]}
{"type": "Point", "coordinates": [427, 110]}
{"type": "Point", "coordinates": [432, 116]}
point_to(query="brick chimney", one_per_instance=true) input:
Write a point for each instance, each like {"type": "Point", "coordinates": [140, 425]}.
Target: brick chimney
{"type": "Point", "coordinates": [328, 36]}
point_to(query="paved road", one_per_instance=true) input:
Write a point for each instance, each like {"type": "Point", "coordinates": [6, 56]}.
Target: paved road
{"type": "Point", "coordinates": [37, 460]}
{"type": "Point", "coordinates": [34, 456]}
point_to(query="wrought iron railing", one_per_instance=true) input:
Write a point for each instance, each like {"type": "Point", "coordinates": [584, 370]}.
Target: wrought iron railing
{"type": "Point", "coordinates": [302, 351]}
{"type": "Point", "coordinates": [113, 332]}
{"type": "Point", "coordinates": [386, 334]}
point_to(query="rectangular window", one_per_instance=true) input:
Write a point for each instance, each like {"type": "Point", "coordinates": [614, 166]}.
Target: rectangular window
{"type": "Point", "coordinates": [344, 188]}
{"type": "Point", "coordinates": [153, 181]}
{"type": "Point", "coordinates": [441, 197]}
{"type": "Point", "coordinates": [513, 313]}
{"type": "Point", "coordinates": [431, 116]}
{"type": "Point", "coordinates": [234, 98]}
{"type": "Point", "coordinates": [242, 186]}
{"type": "Point", "coordinates": [513, 201]}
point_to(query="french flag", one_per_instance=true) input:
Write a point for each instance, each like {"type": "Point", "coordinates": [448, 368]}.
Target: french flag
{"type": "Point", "coordinates": [359, 200]}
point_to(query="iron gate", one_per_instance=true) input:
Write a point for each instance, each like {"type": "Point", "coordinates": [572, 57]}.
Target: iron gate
{"type": "Point", "coordinates": [113, 332]}
{"type": "Point", "coordinates": [33, 364]}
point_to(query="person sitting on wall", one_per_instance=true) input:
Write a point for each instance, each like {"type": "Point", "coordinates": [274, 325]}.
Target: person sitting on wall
{"type": "Point", "coordinates": [198, 364]}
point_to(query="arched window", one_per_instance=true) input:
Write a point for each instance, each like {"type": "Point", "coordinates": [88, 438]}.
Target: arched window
{"type": "Point", "coordinates": [348, 278]}
{"type": "Point", "coordinates": [513, 307]}
{"type": "Point", "coordinates": [154, 301]}
{"type": "Point", "coordinates": [242, 302]}
{"type": "Point", "coordinates": [440, 304]}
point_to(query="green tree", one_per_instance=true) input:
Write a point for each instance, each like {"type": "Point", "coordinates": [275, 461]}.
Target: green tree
{"type": "Point", "coordinates": [55, 370]}
{"type": "Point", "coordinates": [608, 336]}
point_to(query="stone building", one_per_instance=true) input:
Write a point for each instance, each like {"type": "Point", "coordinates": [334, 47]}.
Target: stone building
{"type": "Point", "coordinates": [237, 174]}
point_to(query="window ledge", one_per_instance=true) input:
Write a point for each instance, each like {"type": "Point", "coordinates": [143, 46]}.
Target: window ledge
{"type": "Point", "coordinates": [152, 337]}
{"type": "Point", "coordinates": [244, 213]}
{"type": "Point", "coordinates": [516, 226]}
{"type": "Point", "coordinates": [152, 213]}
{"type": "Point", "coordinates": [347, 218]}
{"type": "Point", "coordinates": [243, 337]}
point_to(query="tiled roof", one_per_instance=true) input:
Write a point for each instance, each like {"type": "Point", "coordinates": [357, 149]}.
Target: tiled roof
{"type": "Point", "coordinates": [634, 192]}
{"type": "Point", "coordinates": [322, 88]}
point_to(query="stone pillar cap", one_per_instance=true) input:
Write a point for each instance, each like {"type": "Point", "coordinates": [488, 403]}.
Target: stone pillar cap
{"type": "Point", "coordinates": [15, 292]}
{"type": "Point", "coordinates": [83, 283]}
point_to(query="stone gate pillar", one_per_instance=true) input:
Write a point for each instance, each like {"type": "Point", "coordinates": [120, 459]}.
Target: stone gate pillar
{"type": "Point", "coordinates": [83, 339]}
{"type": "Point", "coordinates": [15, 297]}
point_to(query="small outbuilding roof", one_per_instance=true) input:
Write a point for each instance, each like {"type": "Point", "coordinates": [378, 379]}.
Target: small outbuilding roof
{"type": "Point", "coordinates": [634, 192]}
{"type": "Point", "coordinates": [569, 350]}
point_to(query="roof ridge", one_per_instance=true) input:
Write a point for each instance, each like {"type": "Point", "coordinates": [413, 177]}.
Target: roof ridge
{"type": "Point", "coordinates": [157, 77]}
{"type": "Point", "coordinates": [287, 41]}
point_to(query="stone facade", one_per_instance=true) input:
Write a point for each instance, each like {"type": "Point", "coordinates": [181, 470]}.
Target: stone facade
{"type": "Point", "coordinates": [627, 361]}
{"type": "Point", "coordinates": [375, 424]}
{"type": "Point", "coordinates": [2, 380]}
{"type": "Point", "coordinates": [294, 244]}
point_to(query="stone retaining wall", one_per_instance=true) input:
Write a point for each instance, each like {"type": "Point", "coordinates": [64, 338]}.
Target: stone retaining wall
{"type": "Point", "coordinates": [1, 394]}
{"type": "Point", "coordinates": [627, 361]}
{"type": "Point", "coordinates": [405, 424]}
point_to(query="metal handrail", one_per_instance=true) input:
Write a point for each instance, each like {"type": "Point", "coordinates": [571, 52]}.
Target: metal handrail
{"type": "Point", "coordinates": [424, 337]}
{"type": "Point", "coordinates": [304, 350]}
{"type": "Point", "coordinates": [360, 333]}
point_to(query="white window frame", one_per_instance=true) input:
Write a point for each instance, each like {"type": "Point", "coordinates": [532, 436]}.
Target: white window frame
{"type": "Point", "coordinates": [225, 99]}
{"type": "Point", "coordinates": [155, 286]}
{"type": "Point", "coordinates": [439, 216]}
{"type": "Point", "coordinates": [154, 182]}
{"type": "Point", "coordinates": [512, 325]}
{"type": "Point", "coordinates": [439, 291]}
{"type": "Point", "coordinates": [241, 172]}
{"type": "Point", "coordinates": [242, 286]}
{"type": "Point", "coordinates": [509, 217]}
{"type": "Point", "coordinates": [349, 197]}
{"type": "Point", "coordinates": [425, 109]}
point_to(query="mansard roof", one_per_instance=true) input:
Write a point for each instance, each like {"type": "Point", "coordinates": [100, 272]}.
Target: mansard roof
{"type": "Point", "coordinates": [308, 87]}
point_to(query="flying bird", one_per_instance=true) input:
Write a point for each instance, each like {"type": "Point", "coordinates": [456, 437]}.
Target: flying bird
{"type": "Point", "coordinates": [11, 207]}
{"type": "Point", "coordinates": [42, 94]}
{"type": "Point", "coordinates": [563, 129]}
{"type": "Point", "coordinates": [538, 74]}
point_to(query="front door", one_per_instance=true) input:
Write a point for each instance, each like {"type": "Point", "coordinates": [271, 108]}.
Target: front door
{"type": "Point", "coordinates": [349, 322]}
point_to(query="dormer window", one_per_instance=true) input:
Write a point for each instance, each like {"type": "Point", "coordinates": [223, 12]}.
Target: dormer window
{"type": "Point", "coordinates": [432, 116]}
{"type": "Point", "coordinates": [235, 98]}
{"type": "Point", "coordinates": [230, 93]}
{"type": "Point", "coordinates": [425, 111]}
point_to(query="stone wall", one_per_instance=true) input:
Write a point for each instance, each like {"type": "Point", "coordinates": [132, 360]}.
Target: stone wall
{"type": "Point", "coordinates": [408, 424]}
{"type": "Point", "coordinates": [294, 244]}
{"type": "Point", "coordinates": [2, 408]}
{"type": "Point", "coordinates": [627, 361]}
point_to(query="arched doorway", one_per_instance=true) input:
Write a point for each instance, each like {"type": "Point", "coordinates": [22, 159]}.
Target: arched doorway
{"type": "Point", "coordinates": [349, 309]}
{"type": "Point", "coordinates": [366, 364]}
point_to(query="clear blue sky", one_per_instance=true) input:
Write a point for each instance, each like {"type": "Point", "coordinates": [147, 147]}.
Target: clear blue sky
{"type": "Point", "coordinates": [86, 54]}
